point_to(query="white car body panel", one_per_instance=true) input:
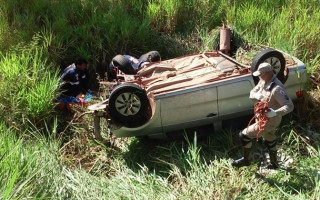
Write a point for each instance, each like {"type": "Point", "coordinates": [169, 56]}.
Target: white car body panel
{"type": "Point", "coordinates": [207, 103]}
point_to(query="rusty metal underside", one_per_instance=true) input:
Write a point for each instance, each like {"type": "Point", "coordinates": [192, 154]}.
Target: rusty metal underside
{"type": "Point", "coordinates": [186, 71]}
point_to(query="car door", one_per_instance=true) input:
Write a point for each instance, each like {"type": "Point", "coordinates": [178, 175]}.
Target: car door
{"type": "Point", "coordinates": [189, 108]}
{"type": "Point", "coordinates": [233, 99]}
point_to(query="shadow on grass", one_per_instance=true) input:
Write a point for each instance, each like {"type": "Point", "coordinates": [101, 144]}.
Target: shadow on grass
{"type": "Point", "coordinates": [161, 156]}
{"type": "Point", "coordinates": [298, 181]}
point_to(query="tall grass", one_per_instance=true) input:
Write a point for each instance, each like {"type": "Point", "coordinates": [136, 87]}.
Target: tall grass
{"type": "Point", "coordinates": [179, 170]}
{"type": "Point", "coordinates": [28, 85]}
{"type": "Point", "coordinates": [23, 165]}
{"type": "Point", "coordinates": [98, 30]}
{"type": "Point", "coordinates": [38, 36]}
{"type": "Point", "coordinates": [289, 25]}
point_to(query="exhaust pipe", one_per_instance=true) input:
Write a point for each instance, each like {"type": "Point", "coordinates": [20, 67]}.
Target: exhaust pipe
{"type": "Point", "coordinates": [225, 39]}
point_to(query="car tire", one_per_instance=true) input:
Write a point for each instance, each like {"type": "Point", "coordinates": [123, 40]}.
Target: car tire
{"type": "Point", "coordinates": [129, 105]}
{"type": "Point", "coordinates": [124, 65]}
{"type": "Point", "coordinates": [155, 56]}
{"type": "Point", "coordinates": [277, 61]}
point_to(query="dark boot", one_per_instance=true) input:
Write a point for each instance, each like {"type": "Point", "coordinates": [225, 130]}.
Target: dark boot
{"type": "Point", "coordinates": [244, 161]}
{"type": "Point", "coordinates": [273, 160]}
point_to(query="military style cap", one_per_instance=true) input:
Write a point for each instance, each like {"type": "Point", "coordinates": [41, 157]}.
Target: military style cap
{"type": "Point", "coordinates": [263, 67]}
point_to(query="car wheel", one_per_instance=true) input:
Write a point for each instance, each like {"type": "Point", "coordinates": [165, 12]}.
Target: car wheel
{"type": "Point", "coordinates": [154, 56]}
{"type": "Point", "coordinates": [129, 105]}
{"type": "Point", "coordinates": [123, 64]}
{"type": "Point", "coordinates": [275, 59]}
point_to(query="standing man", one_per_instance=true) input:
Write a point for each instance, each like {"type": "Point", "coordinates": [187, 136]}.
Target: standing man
{"type": "Point", "coordinates": [268, 89]}
{"type": "Point", "coordinates": [75, 78]}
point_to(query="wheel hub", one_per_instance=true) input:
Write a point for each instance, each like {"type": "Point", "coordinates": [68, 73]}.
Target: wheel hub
{"type": "Point", "coordinates": [275, 63]}
{"type": "Point", "coordinates": [128, 104]}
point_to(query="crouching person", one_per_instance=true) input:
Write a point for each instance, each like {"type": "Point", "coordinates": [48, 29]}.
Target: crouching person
{"type": "Point", "coordinates": [271, 90]}
{"type": "Point", "coordinates": [74, 79]}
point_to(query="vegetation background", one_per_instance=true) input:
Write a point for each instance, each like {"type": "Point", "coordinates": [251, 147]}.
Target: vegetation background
{"type": "Point", "coordinates": [43, 157]}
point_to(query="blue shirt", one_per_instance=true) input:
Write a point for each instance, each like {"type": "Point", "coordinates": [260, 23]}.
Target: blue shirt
{"type": "Point", "coordinates": [134, 64]}
{"type": "Point", "coordinates": [75, 81]}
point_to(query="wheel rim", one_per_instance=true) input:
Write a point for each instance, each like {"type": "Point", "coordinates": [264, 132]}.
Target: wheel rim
{"type": "Point", "coordinates": [128, 104]}
{"type": "Point", "coordinates": [275, 63]}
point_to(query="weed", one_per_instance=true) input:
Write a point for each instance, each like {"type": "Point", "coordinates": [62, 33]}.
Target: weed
{"type": "Point", "coordinates": [34, 90]}
{"type": "Point", "coordinates": [38, 36]}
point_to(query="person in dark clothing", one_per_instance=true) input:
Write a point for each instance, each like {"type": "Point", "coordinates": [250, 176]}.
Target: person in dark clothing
{"type": "Point", "coordinates": [74, 79]}
{"type": "Point", "coordinates": [129, 64]}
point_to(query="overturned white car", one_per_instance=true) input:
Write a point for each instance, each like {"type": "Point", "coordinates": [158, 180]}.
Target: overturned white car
{"type": "Point", "coordinates": [192, 91]}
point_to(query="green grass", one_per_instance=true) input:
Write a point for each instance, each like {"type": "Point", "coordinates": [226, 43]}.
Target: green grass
{"type": "Point", "coordinates": [28, 86]}
{"type": "Point", "coordinates": [38, 160]}
{"type": "Point", "coordinates": [171, 170]}
{"type": "Point", "coordinates": [98, 30]}
{"type": "Point", "coordinates": [23, 164]}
